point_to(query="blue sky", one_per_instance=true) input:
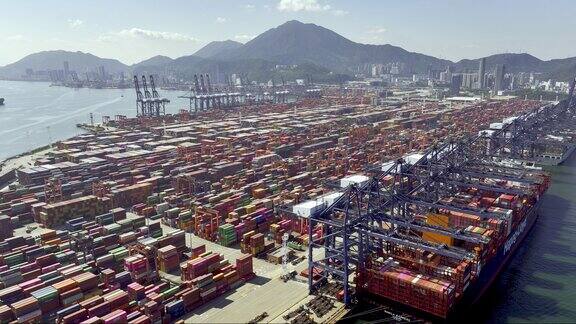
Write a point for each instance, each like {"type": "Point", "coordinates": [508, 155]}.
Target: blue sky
{"type": "Point", "coordinates": [132, 30]}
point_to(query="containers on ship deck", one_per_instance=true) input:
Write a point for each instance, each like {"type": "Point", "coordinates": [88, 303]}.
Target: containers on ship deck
{"type": "Point", "coordinates": [419, 291]}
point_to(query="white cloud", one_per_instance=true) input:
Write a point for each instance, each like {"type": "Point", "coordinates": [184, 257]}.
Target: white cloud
{"type": "Point", "coordinates": [147, 34]}
{"type": "Point", "coordinates": [75, 23]}
{"type": "Point", "coordinates": [220, 20]}
{"type": "Point", "coordinates": [14, 38]}
{"type": "Point", "coordinates": [339, 13]}
{"type": "Point", "coordinates": [244, 38]}
{"type": "Point", "coordinates": [302, 5]}
{"type": "Point", "coordinates": [377, 30]}
{"type": "Point", "coordinates": [248, 6]}
{"type": "Point", "coordinates": [375, 35]}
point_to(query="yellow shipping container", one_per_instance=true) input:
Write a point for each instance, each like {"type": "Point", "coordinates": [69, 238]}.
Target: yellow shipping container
{"type": "Point", "coordinates": [438, 220]}
{"type": "Point", "coordinates": [438, 238]}
{"type": "Point", "coordinates": [250, 208]}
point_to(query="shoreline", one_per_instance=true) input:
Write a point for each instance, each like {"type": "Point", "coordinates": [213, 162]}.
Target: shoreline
{"type": "Point", "coordinates": [29, 152]}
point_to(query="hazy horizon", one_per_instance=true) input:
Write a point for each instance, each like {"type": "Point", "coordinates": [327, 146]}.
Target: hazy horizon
{"type": "Point", "coordinates": [137, 30]}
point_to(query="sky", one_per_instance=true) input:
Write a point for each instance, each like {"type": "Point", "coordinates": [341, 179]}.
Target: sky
{"type": "Point", "coordinates": [131, 31]}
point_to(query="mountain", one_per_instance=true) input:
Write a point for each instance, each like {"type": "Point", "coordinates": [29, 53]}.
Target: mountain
{"type": "Point", "coordinates": [291, 50]}
{"type": "Point", "coordinates": [186, 67]}
{"type": "Point", "coordinates": [294, 43]}
{"type": "Point", "coordinates": [559, 69]}
{"type": "Point", "coordinates": [216, 48]}
{"type": "Point", "coordinates": [54, 60]}
{"type": "Point", "coordinates": [514, 63]}
{"type": "Point", "coordinates": [155, 60]}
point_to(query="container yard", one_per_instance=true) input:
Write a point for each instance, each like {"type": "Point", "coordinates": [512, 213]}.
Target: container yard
{"type": "Point", "coordinates": [277, 212]}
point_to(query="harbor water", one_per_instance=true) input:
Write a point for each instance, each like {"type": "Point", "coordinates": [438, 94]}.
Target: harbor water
{"type": "Point", "coordinates": [34, 114]}
{"type": "Point", "coordinates": [538, 285]}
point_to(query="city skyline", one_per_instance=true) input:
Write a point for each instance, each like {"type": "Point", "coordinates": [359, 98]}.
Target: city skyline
{"type": "Point", "coordinates": [135, 31]}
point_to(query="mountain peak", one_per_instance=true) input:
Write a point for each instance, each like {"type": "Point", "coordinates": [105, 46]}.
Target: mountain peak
{"type": "Point", "coordinates": [217, 47]}
{"type": "Point", "coordinates": [155, 60]}
{"type": "Point", "coordinates": [296, 25]}
{"type": "Point", "coordinates": [293, 22]}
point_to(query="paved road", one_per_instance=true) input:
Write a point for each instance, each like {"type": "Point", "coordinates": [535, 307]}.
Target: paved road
{"type": "Point", "coordinates": [23, 161]}
{"type": "Point", "coordinates": [20, 162]}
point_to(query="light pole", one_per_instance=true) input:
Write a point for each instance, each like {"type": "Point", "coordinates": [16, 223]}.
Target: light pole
{"type": "Point", "coordinates": [49, 135]}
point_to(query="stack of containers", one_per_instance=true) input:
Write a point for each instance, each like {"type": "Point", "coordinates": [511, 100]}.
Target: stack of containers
{"type": "Point", "coordinates": [178, 240]}
{"type": "Point", "coordinates": [175, 309]}
{"type": "Point", "coordinates": [197, 251]}
{"type": "Point", "coordinates": [105, 219]}
{"type": "Point", "coordinates": [207, 286]}
{"type": "Point", "coordinates": [257, 244]}
{"type": "Point", "coordinates": [131, 195]}
{"type": "Point", "coordinates": [155, 230]}
{"type": "Point", "coordinates": [136, 291]}
{"type": "Point", "coordinates": [75, 224]}
{"type": "Point", "coordinates": [185, 221]}
{"type": "Point", "coordinates": [168, 259]}
{"type": "Point", "coordinates": [47, 298]}
{"type": "Point", "coordinates": [127, 237]}
{"type": "Point", "coordinates": [117, 316]}
{"type": "Point", "coordinates": [244, 267]}
{"type": "Point", "coordinates": [6, 230]}
{"type": "Point", "coordinates": [227, 234]}
{"type": "Point", "coordinates": [95, 306]}
{"type": "Point", "coordinates": [245, 244]}
{"type": "Point", "coordinates": [117, 299]}
{"type": "Point", "coordinates": [119, 253]}
{"type": "Point", "coordinates": [119, 213]}
{"type": "Point", "coordinates": [56, 214]}
{"type": "Point", "coordinates": [6, 314]}
{"type": "Point", "coordinates": [190, 297]}
{"type": "Point", "coordinates": [86, 281]}
{"type": "Point", "coordinates": [137, 265]}
{"type": "Point", "coordinates": [152, 310]}
{"type": "Point", "coordinates": [202, 265]}
{"type": "Point", "coordinates": [27, 310]}
{"type": "Point", "coordinates": [72, 296]}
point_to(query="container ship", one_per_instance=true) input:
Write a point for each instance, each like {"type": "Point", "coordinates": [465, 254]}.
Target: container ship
{"type": "Point", "coordinates": [444, 287]}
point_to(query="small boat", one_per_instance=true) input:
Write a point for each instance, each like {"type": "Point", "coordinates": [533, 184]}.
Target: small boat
{"type": "Point", "coordinates": [1, 101]}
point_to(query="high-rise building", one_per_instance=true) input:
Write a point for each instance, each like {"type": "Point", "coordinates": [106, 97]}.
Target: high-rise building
{"type": "Point", "coordinates": [443, 76]}
{"type": "Point", "coordinates": [469, 80]}
{"type": "Point", "coordinates": [455, 83]}
{"type": "Point", "coordinates": [481, 72]}
{"type": "Point", "coordinates": [499, 78]}
{"type": "Point", "coordinates": [102, 73]}
{"type": "Point", "coordinates": [66, 69]}
{"type": "Point", "coordinates": [513, 82]}
{"type": "Point", "coordinates": [449, 73]}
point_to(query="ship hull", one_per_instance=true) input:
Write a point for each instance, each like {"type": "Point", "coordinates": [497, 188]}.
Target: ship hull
{"type": "Point", "coordinates": [492, 269]}
{"type": "Point", "coordinates": [559, 159]}
{"type": "Point", "coordinates": [477, 288]}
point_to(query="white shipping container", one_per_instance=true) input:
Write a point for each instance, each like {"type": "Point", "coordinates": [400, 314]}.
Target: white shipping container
{"type": "Point", "coordinates": [330, 198]}
{"type": "Point", "coordinates": [308, 208]}
{"type": "Point", "coordinates": [413, 158]}
{"type": "Point", "coordinates": [486, 132]}
{"type": "Point", "coordinates": [496, 126]}
{"type": "Point", "coordinates": [353, 179]}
